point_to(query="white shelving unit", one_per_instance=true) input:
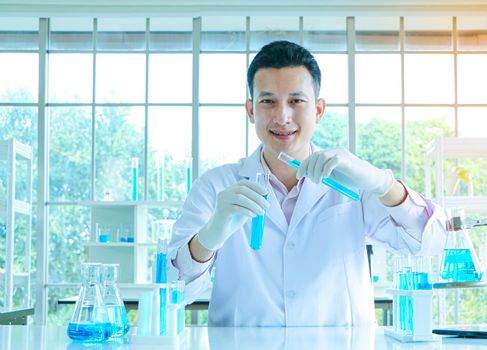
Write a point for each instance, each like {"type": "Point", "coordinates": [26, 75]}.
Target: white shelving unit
{"type": "Point", "coordinates": [135, 258]}
{"type": "Point", "coordinates": [453, 148]}
{"type": "Point", "coordinates": [12, 153]}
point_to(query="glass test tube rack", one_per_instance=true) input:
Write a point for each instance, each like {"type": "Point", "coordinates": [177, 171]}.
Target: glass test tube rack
{"type": "Point", "coordinates": [419, 311]}
{"type": "Point", "coordinates": [161, 316]}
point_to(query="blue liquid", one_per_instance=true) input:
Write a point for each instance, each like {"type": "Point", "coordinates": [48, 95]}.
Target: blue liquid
{"type": "Point", "coordinates": [104, 238]}
{"type": "Point", "coordinates": [89, 332]}
{"type": "Point", "coordinates": [406, 304]}
{"type": "Point", "coordinates": [161, 275]}
{"type": "Point", "coordinates": [257, 232]}
{"type": "Point", "coordinates": [177, 298]}
{"type": "Point", "coordinates": [420, 280]}
{"type": "Point", "coordinates": [331, 183]}
{"type": "Point", "coordinates": [118, 320]}
{"type": "Point", "coordinates": [134, 184]}
{"type": "Point", "coordinates": [459, 266]}
{"type": "Point", "coordinates": [188, 180]}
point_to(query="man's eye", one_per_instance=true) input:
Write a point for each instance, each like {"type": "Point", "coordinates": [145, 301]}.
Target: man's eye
{"type": "Point", "coordinates": [267, 101]}
{"type": "Point", "coordinates": [297, 100]}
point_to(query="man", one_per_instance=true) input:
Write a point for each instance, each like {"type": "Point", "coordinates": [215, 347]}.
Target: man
{"type": "Point", "coordinates": [312, 267]}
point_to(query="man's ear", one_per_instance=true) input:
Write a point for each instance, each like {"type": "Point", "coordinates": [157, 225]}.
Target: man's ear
{"type": "Point", "coordinates": [320, 110]}
{"type": "Point", "coordinates": [249, 107]}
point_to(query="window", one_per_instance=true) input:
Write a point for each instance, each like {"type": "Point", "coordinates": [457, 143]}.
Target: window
{"type": "Point", "coordinates": [120, 88]}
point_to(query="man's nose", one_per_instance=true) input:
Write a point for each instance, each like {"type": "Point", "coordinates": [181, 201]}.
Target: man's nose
{"type": "Point", "coordinates": [283, 114]}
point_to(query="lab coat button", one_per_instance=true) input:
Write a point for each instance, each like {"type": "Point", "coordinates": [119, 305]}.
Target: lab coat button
{"type": "Point", "coordinates": [290, 246]}
{"type": "Point", "coordinates": [291, 294]}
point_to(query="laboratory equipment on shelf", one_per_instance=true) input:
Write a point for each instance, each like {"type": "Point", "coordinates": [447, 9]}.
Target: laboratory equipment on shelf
{"type": "Point", "coordinates": [135, 171]}
{"type": "Point", "coordinates": [412, 296]}
{"type": "Point", "coordinates": [327, 181]}
{"type": "Point", "coordinates": [257, 230]}
{"type": "Point", "coordinates": [460, 262]}
{"type": "Point", "coordinates": [117, 314]}
{"type": "Point", "coordinates": [90, 322]}
{"type": "Point", "coordinates": [188, 166]}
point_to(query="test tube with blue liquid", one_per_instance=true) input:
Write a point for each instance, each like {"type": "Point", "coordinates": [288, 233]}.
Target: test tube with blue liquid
{"type": "Point", "coordinates": [160, 179]}
{"type": "Point", "coordinates": [326, 181]}
{"type": "Point", "coordinates": [176, 308]}
{"type": "Point", "coordinates": [188, 166]}
{"type": "Point", "coordinates": [135, 170]}
{"type": "Point", "coordinates": [257, 229]}
{"type": "Point", "coordinates": [161, 277]}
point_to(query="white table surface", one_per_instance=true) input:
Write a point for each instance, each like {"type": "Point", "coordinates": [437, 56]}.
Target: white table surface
{"type": "Point", "coordinates": [214, 338]}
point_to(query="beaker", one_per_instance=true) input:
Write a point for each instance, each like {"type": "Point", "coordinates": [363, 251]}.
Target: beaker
{"type": "Point", "coordinates": [257, 229]}
{"type": "Point", "coordinates": [111, 297]}
{"type": "Point", "coordinates": [90, 322]}
{"type": "Point", "coordinates": [459, 262]}
{"type": "Point", "coordinates": [135, 170]}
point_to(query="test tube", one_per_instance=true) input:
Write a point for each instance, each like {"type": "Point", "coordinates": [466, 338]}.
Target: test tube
{"type": "Point", "coordinates": [326, 181]}
{"type": "Point", "coordinates": [257, 229]}
{"type": "Point", "coordinates": [160, 179]}
{"type": "Point", "coordinates": [188, 165]}
{"type": "Point", "coordinates": [175, 320]}
{"type": "Point", "coordinates": [161, 277]}
{"type": "Point", "coordinates": [135, 168]}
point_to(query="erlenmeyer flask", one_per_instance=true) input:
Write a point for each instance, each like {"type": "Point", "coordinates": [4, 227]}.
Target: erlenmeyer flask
{"type": "Point", "coordinates": [460, 262]}
{"type": "Point", "coordinates": [114, 304]}
{"type": "Point", "coordinates": [90, 319]}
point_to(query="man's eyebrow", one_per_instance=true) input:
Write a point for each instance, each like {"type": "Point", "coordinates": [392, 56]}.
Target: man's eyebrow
{"type": "Point", "coordinates": [297, 93]}
{"type": "Point", "coordinates": [265, 94]}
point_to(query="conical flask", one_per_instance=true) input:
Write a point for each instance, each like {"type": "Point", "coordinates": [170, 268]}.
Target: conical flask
{"type": "Point", "coordinates": [460, 262]}
{"type": "Point", "coordinates": [90, 321]}
{"type": "Point", "coordinates": [113, 302]}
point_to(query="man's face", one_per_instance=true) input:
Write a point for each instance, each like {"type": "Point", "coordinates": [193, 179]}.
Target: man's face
{"type": "Point", "coordinates": [285, 110]}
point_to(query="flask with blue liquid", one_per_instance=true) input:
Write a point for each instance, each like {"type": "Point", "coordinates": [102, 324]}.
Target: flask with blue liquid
{"type": "Point", "coordinates": [117, 314]}
{"type": "Point", "coordinates": [90, 322]}
{"type": "Point", "coordinates": [459, 262]}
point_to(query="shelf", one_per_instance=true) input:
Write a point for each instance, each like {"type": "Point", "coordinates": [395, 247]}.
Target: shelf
{"type": "Point", "coordinates": [162, 204]}
{"type": "Point", "coordinates": [110, 244]}
{"type": "Point", "coordinates": [448, 285]}
{"type": "Point", "coordinates": [469, 203]}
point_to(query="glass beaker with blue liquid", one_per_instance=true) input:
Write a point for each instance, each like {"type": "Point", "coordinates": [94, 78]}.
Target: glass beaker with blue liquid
{"type": "Point", "coordinates": [117, 314]}
{"type": "Point", "coordinates": [90, 322]}
{"type": "Point", "coordinates": [459, 262]}
{"type": "Point", "coordinates": [257, 229]}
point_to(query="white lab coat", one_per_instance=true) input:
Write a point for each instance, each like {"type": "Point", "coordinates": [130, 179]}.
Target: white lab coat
{"type": "Point", "coordinates": [312, 272]}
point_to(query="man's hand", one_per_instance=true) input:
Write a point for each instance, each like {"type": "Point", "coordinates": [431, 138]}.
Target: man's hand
{"type": "Point", "coordinates": [348, 170]}
{"type": "Point", "coordinates": [234, 206]}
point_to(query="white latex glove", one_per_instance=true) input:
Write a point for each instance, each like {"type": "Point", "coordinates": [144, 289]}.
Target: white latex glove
{"type": "Point", "coordinates": [347, 169]}
{"type": "Point", "coordinates": [234, 206]}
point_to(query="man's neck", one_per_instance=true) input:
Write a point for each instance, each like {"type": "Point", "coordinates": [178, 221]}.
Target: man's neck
{"type": "Point", "coordinates": [285, 173]}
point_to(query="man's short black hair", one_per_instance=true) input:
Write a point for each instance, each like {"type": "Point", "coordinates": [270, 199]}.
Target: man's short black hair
{"type": "Point", "coordinates": [280, 54]}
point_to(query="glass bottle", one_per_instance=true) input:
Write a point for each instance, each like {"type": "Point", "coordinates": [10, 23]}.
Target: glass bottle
{"type": "Point", "coordinates": [459, 262]}
{"type": "Point", "coordinates": [161, 278]}
{"type": "Point", "coordinates": [90, 322]}
{"type": "Point", "coordinates": [113, 302]}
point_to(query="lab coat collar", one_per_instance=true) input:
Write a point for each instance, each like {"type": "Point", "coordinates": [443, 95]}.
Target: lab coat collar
{"type": "Point", "coordinates": [252, 165]}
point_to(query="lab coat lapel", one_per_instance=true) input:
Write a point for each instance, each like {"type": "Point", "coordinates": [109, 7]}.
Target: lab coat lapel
{"type": "Point", "coordinates": [310, 194]}
{"type": "Point", "coordinates": [251, 166]}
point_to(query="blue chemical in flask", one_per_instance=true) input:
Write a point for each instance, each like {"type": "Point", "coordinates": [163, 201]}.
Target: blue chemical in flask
{"type": "Point", "coordinates": [90, 322]}
{"type": "Point", "coordinates": [117, 314]}
{"type": "Point", "coordinates": [161, 277]}
{"type": "Point", "coordinates": [257, 229]}
{"type": "Point", "coordinates": [135, 170]}
{"type": "Point", "coordinates": [459, 262]}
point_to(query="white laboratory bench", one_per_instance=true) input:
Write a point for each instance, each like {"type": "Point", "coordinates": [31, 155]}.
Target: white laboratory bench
{"type": "Point", "coordinates": [216, 338]}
